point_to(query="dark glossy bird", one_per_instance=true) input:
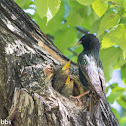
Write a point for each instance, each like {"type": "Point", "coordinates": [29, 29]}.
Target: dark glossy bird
{"type": "Point", "coordinates": [90, 67]}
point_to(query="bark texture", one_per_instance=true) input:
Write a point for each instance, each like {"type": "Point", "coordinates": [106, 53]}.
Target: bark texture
{"type": "Point", "coordinates": [27, 97]}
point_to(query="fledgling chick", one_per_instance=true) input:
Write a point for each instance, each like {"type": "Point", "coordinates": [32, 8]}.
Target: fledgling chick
{"type": "Point", "coordinates": [67, 90]}
{"type": "Point", "coordinates": [60, 77]}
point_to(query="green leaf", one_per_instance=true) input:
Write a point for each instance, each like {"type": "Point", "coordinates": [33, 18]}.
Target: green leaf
{"type": "Point", "coordinates": [123, 72]}
{"type": "Point", "coordinates": [49, 8]}
{"type": "Point", "coordinates": [78, 49]}
{"type": "Point", "coordinates": [113, 36]}
{"type": "Point", "coordinates": [121, 60]}
{"type": "Point", "coordinates": [122, 101]}
{"type": "Point", "coordinates": [74, 3]}
{"type": "Point", "coordinates": [116, 1]}
{"type": "Point", "coordinates": [122, 121]}
{"type": "Point", "coordinates": [116, 36]}
{"type": "Point", "coordinates": [65, 38]}
{"type": "Point", "coordinates": [112, 97]}
{"type": "Point", "coordinates": [112, 86]}
{"type": "Point", "coordinates": [79, 15]}
{"type": "Point", "coordinates": [124, 4]}
{"type": "Point", "coordinates": [95, 26]}
{"type": "Point", "coordinates": [74, 59]}
{"type": "Point", "coordinates": [123, 20]}
{"type": "Point", "coordinates": [89, 20]}
{"type": "Point", "coordinates": [85, 2]}
{"type": "Point", "coordinates": [24, 4]}
{"type": "Point", "coordinates": [116, 89]}
{"type": "Point", "coordinates": [116, 113]}
{"type": "Point", "coordinates": [107, 89]}
{"type": "Point", "coordinates": [109, 58]}
{"type": "Point", "coordinates": [100, 7]}
{"type": "Point", "coordinates": [122, 43]}
{"type": "Point", "coordinates": [116, 93]}
{"type": "Point", "coordinates": [108, 21]}
{"type": "Point", "coordinates": [76, 16]}
{"type": "Point", "coordinates": [54, 24]}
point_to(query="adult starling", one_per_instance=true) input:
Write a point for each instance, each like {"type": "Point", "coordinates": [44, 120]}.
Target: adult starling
{"type": "Point", "coordinates": [90, 68]}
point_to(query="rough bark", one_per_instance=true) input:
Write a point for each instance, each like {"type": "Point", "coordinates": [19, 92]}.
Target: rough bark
{"type": "Point", "coordinates": [27, 97]}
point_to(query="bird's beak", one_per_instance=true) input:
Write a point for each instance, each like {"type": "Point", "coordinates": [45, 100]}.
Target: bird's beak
{"type": "Point", "coordinates": [76, 44]}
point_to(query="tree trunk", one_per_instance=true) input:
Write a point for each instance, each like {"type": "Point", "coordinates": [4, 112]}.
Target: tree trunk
{"type": "Point", "coordinates": [27, 97]}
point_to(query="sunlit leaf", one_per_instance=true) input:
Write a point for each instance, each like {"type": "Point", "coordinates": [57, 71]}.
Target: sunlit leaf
{"type": "Point", "coordinates": [116, 113]}
{"type": "Point", "coordinates": [116, 1]}
{"type": "Point", "coordinates": [112, 86]}
{"type": "Point", "coordinates": [49, 8]}
{"type": "Point", "coordinates": [122, 121]}
{"type": "Point", "coordinates": [108, 21]}
{"type": "Point", "coordinates": [73, 58]}
{"type": "Point", "coordinates": [107, 89]}
{"type": "Point", "coordinates": [122, 43]}
{"type": "Point", "coordinates": [116, 93]}
{"type": "Point", "coordinates": [122, 101]}
{"type": "Point", "coordinates": [54, 24]}
{"type": "Point", "coordinates": [109, 58]}
{"type": "Point", "coordinates": [23, 3]}
{"type": "Point", "coordinates": [112, 97]}
{"type": "Point", "coordinates": [116, 36]}
{"type": "Point", "coordinates": [85, 2]}
{"type": "Point", "coordinates": [121, 60]}
{"type": "Point", "coordinates": [100, 7]}
{"type": "Point", "coordinates": [123, 72]}
{"type": "Point", "coordinates": [116, 89]}
{"type": "Point", "coordinates": [124, 4]}
{"type": "Point", "coordinates": [123, 20]}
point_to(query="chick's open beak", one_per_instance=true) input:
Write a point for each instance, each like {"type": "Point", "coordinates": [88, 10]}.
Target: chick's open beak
{"type": "Point", "coordinates": [76, 44]}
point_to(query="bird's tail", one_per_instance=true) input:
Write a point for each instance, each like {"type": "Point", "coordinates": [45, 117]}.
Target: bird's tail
{"type": "Point", "coordinates": [95, 110]}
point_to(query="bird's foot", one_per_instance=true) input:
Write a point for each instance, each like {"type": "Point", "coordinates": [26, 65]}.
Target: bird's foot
{"type": "Point", "coordinates": [78, 99]}
{"type": "Point", "coordinates": [79, 96]}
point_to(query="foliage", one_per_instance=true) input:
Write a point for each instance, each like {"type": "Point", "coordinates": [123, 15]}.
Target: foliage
{"type": "Point", "coordinates": [65, 21]}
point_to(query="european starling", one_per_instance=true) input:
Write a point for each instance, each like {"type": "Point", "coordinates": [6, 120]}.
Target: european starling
{"type": "Point", "coordinates": [90, 68]}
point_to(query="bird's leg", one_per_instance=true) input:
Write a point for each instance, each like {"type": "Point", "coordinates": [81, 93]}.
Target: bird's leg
{"type": "Point", "coordinates": [79, 96]}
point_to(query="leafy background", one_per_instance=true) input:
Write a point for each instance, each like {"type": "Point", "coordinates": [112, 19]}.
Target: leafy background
{"type": "Point", "coordinates": [65, 21]}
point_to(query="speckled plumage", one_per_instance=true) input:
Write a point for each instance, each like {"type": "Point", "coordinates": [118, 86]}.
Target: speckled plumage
{"type": "Point", "coordinates": [90, 67]}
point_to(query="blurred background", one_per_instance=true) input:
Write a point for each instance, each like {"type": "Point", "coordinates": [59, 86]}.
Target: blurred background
{"type": "Point", "coordinates": [66, 21]}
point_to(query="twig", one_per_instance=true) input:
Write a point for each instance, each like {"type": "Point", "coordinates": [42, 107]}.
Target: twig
{"type": "Point", "coordinates": [113, 3]}
{"type": "Point", "coordinates": [72, 51]}
{"type": "Point", "coordinates": [79, 29]}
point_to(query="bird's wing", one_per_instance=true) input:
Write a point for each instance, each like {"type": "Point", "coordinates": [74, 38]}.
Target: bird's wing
{"type": "Point", "coordinates": [102, 79]}
{"type": "Point", "coordinates": [90, 70]}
